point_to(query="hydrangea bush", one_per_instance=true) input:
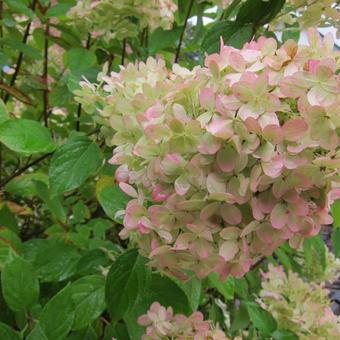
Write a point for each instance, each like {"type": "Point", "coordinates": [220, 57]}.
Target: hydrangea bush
{"type": "Point", "coordinates": [225, 162]}
{"type": "Point", "coordinates": [157, 156]}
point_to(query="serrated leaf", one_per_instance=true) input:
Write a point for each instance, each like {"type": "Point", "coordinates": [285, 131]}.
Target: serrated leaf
{"type": "Point", "coordinates": [280, 334]}
{"type": "Point", "coordinates": [26, 136]}
{"type": "Point", "coordinates": [53, 203]}
{"type": "Point", "coordinates": [20, 285]}
{"type": "Point", "coordinates": [226, 288]}
{"type": "Point", "coordinates": [7, 333]}
{"type": "Point", "coordinates": [53, 262]}
{"type": "Point", "coordinates": [26, 49]}
{"type": "Point", "coordinates": [261, 319]}
{"type": "Point", "coordinates": [73, 163]}
{"type": "Point", "coordinates": [110, 197]}
{"type": "Point", "coordinates": [3, 112]}
{"type": "Point", "coordinates": [126, 278]}
{"type": "Point", "coordinates": [57, 316]}
{"type": "Point", "coordinates": [79, 60]}
{"type": "Point", "coordinates": [24, 185]}
{"type": "Point", "coordinates": [259, 12]}
{"type": "Point", "coordinates": [19, 7]}
{"type": "Point", "coordinates": [314, 253]}
{"type": "Point", "coordinates": [336, 242]}
{"type": "Point", "coordinates": [233, 34]}
{"type": "Point", "coordinates": [335, 209]}
{"type": "Point", "coordinates": [192, 287]}
{"type": "Point", "coordinates": [88, 297]}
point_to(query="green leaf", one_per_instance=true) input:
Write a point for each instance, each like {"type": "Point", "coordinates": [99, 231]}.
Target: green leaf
{"type": "Point", "coordinates": [7, 333]}
{"type": "Point", "coordinates": [314, 253]}
{"type": "Point", "coordinates": [7, 253]}
{"type": "Point", "coordinates": [53, 203]}
{"type": "Point", "coordinates": [3, 112]}
{"type": "Point", "coordinates": [84, 334]}
{"type": "Point", "coordinates": [126, 278]}
{"type": "Point", "coordinates": [19, 7]}
{"type": "Point", "coordinates": [287, 260]}
{"type": "Point", "coordinates": [259, 12]}
{"type": "Point", "coordinates": [192, 287]}
{"type": "Point", "coordinates": [24, 185]}
{"type": "Point", "coordinates": [73, 163]}
{"type": "Point", "coordinates": [261, 319]}
{"type": "Point", "coordinates": [233, 34]}
{"type": "Point", "coordinates": [58, 10]}
{"type": "Point", "coordinates": [161, 39]}
{"type": "Point", "coordinates": [335, 209]}
{"type": "Point", "coordinates": [336, 241]}
{"type": "Point", "coordinates": [291, 32]}
{"type": "Point", "coordinates": [52, 261]}
{"type": "Point", "coordinates": [26, 136]}
{"type": "Point", "coordinates": [241, 287]}
{"type": "Point", "coordinates": [57, 317]}
{"type": "Point", "coordinates": [159, 288]}
{"type": "Point", "coordinates": [79, 60]}
{"type": "Point", "coordinates": [226, 288]}
{"type": "Point", "coordinates": [37, 333]}
{"type": "Point", "coordinates": [280, 334]}
{"type": "Point", "coordinates": [26, 49]}
{"type": "Point", "coordinates": [240, 317]}
{"type": "Point", "coordinates": [88, 297]}
{"type": "Point", "coordinates": [110, 197]}
{"type": "Point", "coordinates": [20, 285]}
{"type": "Point", "coordinates": [7, 218]}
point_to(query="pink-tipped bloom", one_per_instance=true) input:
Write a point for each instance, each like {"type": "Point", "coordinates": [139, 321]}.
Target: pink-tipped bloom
{"type": "Point", "coordinates": [228, 161]}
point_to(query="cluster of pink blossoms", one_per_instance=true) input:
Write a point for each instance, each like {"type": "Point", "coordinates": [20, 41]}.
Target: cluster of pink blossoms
{"type": "Point", "coordinates": [161, 323]}
{"type": "Point", "coordinates": [227, 161]}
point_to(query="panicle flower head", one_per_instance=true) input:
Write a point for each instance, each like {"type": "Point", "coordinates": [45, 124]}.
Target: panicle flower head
{"type": "Point", "coordinates": [301, 307]}
{"type": "Point", "coordinates": [227, 161]}
{"type": "Point", "coordinates": [121, 18]}
{"type": "Point", "coordinates": [162, 323]}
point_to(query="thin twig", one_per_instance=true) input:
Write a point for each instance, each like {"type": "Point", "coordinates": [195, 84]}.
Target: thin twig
{"type": "Point", "coordinates": [183, 31]}
{"type": "Point", "coordinates": [21, 54]}
{"type": "Point", "coordinates": [24, 168]}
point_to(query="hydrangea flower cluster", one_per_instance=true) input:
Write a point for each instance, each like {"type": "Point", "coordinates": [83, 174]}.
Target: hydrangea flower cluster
{"type": "Point", "coordinates": [227, 161]}
{"type": "Point", "coordinates": [122, 18]}
{"type": "Point", "coordinates": [301, 307]}
{"type": "Point", "coordinates": [162, 323]}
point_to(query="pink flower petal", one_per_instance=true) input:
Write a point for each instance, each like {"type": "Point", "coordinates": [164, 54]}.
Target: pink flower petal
{"type": "Point", "coordinates": [228, 250]}
{"type": "Point", "coordinates": [279, 216]}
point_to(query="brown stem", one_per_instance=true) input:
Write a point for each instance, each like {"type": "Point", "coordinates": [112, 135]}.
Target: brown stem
{"type": "Point", "coordinates": [45, 77]}
{"type": "Point", "coordinates": [183, 31]}
{"type": "Point", "coordinates": [21, 54]}
{"type": "Point", "coordinates": [24, 168]}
